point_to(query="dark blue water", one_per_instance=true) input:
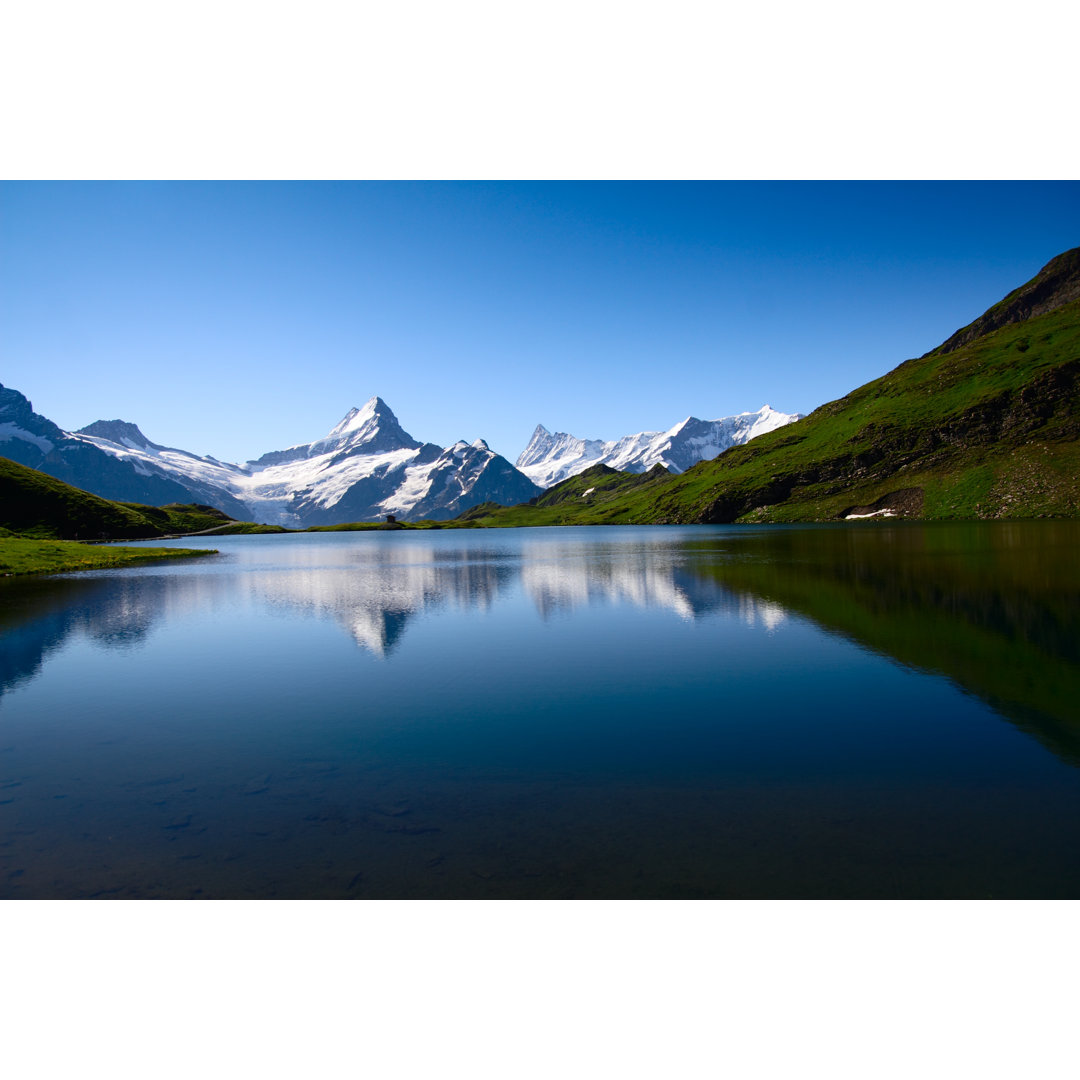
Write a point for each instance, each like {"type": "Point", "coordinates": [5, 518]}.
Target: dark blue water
{"type": "Point", "coordinates": [663, 712]}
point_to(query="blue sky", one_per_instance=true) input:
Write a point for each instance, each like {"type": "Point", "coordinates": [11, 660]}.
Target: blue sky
{"type": "Point", "coordinates": [236, 318]}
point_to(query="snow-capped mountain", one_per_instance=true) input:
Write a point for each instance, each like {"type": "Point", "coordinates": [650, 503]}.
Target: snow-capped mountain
{"type": "Point", "coordinates": [550, 458]}
{"type": "Point", "coordinates": [368, 466]}
{"type": "Point", "coordinates": [364, 468]}
{"type": "Point", "coordinates": [34, 440]}
{"type": "Point", "coordinates": [203, 479]}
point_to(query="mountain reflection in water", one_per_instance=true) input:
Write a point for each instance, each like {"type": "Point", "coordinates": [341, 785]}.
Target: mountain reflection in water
{"type": "Point", "coordinates": [996, 608]}
{"type": "Point", "coordinates": [374, 598]}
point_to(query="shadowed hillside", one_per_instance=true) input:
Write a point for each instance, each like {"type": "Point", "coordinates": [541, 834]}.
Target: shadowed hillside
{"type": "Point", "coordinates": [34, 504]}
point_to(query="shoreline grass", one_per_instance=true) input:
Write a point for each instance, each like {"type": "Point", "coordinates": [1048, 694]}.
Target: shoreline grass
{"type": "Point", "coordinates": [20, 556]}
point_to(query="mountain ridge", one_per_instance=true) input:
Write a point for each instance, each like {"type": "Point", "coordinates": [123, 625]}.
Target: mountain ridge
{"type": "Point", "coordinates": [984, 428]}
{"type": "Point", "coordinates": [551, 458]}
{"type": "Point", "coordinates": [1055, 285]}
{"type": "Point", "coordinates": [119, 431]}
{"type": "Point", "coordinates": [365, 467]}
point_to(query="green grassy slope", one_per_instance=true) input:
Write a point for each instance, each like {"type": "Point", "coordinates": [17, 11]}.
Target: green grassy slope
{"type": "Point", "coordinates": [596, 496]}
{"type": "Point", "coordinates": [33, 504]}
{"type": "Point", "coordinates": [985, 426]}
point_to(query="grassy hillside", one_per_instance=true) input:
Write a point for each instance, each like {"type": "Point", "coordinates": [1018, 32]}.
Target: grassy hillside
{"type": "Point", "coordinates": [591, 497]}
{"type": "Point", "coordinates": [985, 426]}
{"type": "Point", "coordinates": [33, 504]}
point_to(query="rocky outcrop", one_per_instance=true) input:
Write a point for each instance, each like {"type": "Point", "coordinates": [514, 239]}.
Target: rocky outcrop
{"type": "Point", "coordinates": [1056, 284]}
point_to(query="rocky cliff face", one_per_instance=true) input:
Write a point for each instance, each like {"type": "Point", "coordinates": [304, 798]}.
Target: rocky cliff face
{"type": "Point", "coordinates": [119, 431]}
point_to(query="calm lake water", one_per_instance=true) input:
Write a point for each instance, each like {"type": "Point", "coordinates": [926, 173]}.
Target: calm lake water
{"type": "Point", "coordinates": [868, 711]}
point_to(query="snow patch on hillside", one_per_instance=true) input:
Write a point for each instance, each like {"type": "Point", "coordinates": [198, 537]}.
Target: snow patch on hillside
{"type": "Point", "coordinates": [13, 431]}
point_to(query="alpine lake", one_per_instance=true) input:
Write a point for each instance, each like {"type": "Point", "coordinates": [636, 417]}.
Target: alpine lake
{"type": "Point", "coordinates": [875, 710]}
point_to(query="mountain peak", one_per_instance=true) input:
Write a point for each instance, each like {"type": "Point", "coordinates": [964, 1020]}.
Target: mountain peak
{"type": "Point", "coordinates": [549, 459]}
{"type": "Point", "coordinates": [682, 425]}
{"type": "Point", "coordinates": [375, 409]}
{"type": "Point", "coordinates": [119, 431]}
{"type": "Point", "coordinates": [17, 416]}
{"type": "Point", "coordinates": [373, 428]}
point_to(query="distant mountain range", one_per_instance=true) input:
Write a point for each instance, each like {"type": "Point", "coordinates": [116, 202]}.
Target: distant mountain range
{"type": "Point", "coordinates": [549, 459]}
{"type": "Point", "coordinates": [366, 467]}
{"type": "Point", "coordinates": [987, 425]}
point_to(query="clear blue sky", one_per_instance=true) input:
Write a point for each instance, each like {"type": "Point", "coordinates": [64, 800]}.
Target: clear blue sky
{"type": "Point", "coordinates": [234, 319]}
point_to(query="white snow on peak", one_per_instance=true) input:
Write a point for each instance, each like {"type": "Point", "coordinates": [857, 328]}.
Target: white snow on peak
{"type": "Point", "coordinates": [346, 421]}
{"type": "Point", "coordinates": [359, 426]}
{"type": "Point", "coordinates": [355, 418]}
{"type": "Point", "coordinates": [549, 458]}
{"type": "Point", "coordinates": [321, 472]}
